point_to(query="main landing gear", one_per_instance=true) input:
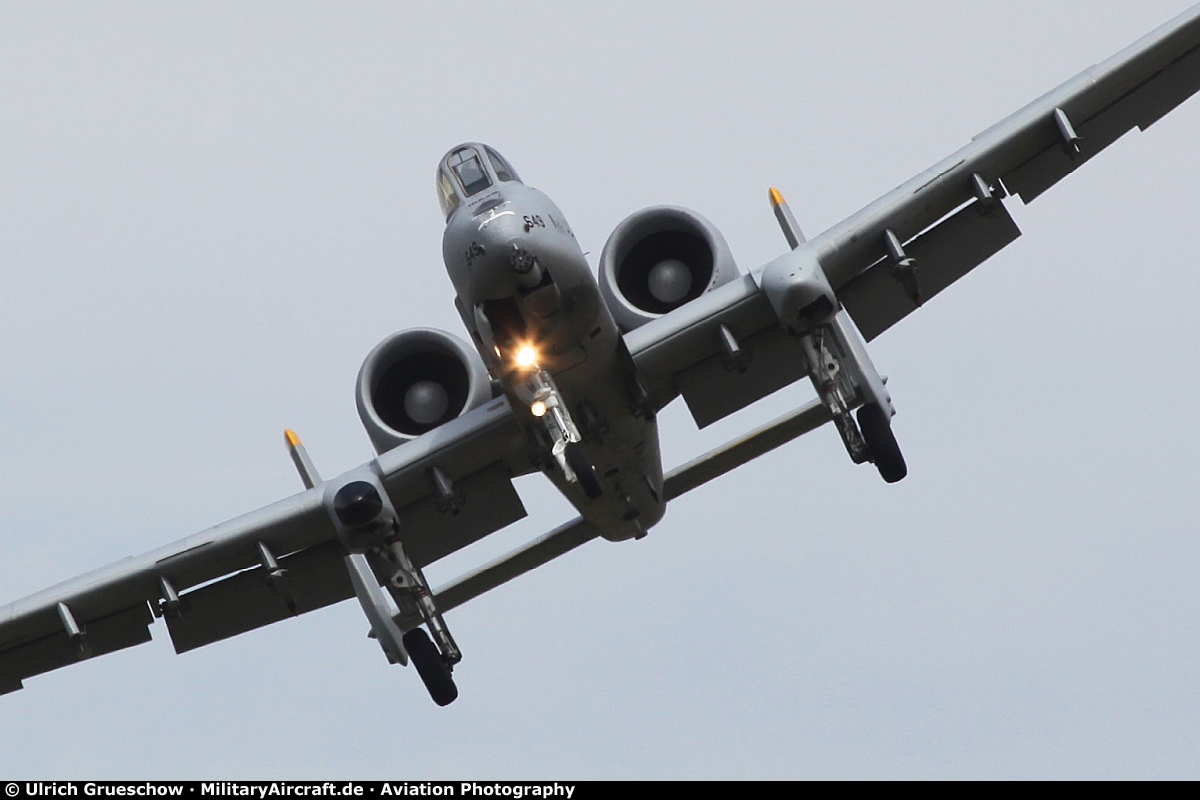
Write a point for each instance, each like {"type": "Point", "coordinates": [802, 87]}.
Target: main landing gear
{"type": "Point", "coordinates": [370, 532]}
{"type": "Point", "coordinates": [834, 352]}
{"type": "Point", "coordinates": [433, 669]}
{"type": "Point", "coordinates": [842, 373]}
{"type": "Point", "coordinates": [410, 590]}
{"type": "Point", "coordinates": [876, 430]}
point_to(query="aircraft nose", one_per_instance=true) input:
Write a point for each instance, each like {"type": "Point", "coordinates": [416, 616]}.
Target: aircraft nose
{"type": "Point", "coordinates": [497, 226]}
{"type": "Point", "coordinates": [507, 260]}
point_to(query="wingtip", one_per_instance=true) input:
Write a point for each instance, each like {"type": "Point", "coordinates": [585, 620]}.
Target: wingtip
{"type": "Point", "coordinates": [292, 439]}
{"type": "Point", "coordinates": [776, 197]}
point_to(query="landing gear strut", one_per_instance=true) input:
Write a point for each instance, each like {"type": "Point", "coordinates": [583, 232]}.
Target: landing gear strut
{"type": "Point", "coordinates": [410, 590]}
{"type": "Point", "coordinates": [585, 473]}
{"type": "Point", "coordinates": [546, 403]}
{"type": "Point", "coordinates": [834, 351]}
{"type": "Point", "coordinates": [842, 374]}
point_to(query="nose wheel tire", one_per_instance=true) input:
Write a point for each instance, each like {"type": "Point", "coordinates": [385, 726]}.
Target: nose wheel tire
{"type": "Point", "coordinates": [584, 471]}
{"type": "Point", "coordinates": [430, 666]}
{"type": "Point", "coordinates": [877, 433]}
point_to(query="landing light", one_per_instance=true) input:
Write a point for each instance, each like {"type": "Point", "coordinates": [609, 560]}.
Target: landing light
{"type": "Point", "coordinates": [538, 408]}
{"type": "Point", "coordinates": [526, 357]}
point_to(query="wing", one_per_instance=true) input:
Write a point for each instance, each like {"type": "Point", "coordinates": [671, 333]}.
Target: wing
{"type": "Point", "coordinates": [274, 563]}
{"type": "Point", "coordinates": [946, 220]}
{"type": "Point", "coordinates": [579, 531]}
{"type": "Point", "coordinates": [452, 486]}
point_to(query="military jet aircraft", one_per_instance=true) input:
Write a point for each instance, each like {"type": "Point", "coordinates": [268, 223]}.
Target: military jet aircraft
{"type": "Point", "coordinates": [565, 373]}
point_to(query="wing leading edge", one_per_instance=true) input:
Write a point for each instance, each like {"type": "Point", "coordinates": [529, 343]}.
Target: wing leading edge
{"type": "Point", "coordinates": [943, 222]}
{"type": "Point", "coordinates": [726, 349]}
{"type": "Point", "coordinates": [453, 485]}
{"type": "Point", "coordinates": [273, 563]}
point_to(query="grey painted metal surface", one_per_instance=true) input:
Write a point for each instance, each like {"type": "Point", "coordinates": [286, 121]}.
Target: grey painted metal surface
{"type": "Point", "coordinates": [679, 481]}
{"type": "Point", "coordinates": [947, 220]}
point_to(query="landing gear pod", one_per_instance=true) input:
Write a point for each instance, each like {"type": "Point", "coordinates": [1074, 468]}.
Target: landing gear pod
{"type": "Point", "coordinates": [834, 351]}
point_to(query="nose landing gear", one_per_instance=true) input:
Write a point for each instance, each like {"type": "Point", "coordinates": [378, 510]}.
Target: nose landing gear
{"type": "Point", "coordinates": [585, 473]}
{"type": "Point", "coordinates": [546, 403]}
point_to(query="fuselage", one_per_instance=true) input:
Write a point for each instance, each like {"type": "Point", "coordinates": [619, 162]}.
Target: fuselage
{"type": "Point", "coordinates": [525, 290]}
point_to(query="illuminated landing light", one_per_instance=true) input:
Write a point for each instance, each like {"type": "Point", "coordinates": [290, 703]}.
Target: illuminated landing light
{"type": "Point", "coordinates": [538, 408]}
{"type": "Point", "coordinates": [526, 357]}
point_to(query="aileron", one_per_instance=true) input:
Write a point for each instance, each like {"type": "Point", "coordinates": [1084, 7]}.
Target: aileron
{"type": "Point", "coordinates": [90, 638]}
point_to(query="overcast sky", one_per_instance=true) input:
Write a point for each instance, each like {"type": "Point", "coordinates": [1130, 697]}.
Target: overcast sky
{"type": "Point", "coordinates": [209, 214]}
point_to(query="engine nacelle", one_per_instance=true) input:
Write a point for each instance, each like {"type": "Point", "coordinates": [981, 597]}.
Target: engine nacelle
{"type": "Point", "coordinates": [416, 380]}
{"type": "Point", "coordinates": [658, 259]}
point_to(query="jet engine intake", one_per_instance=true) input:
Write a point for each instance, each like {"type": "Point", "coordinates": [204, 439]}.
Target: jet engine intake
{"type": "Point", "coordinates": [658, 259]}
{"type": "Point", "coordinates": [415, 381]}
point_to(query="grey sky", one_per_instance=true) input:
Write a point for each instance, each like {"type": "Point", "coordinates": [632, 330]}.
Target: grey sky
{"type": "Point", "coordinates": [210, 214]}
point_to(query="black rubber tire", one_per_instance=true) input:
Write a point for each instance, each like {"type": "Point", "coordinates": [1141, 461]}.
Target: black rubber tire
{"type": "Point", "coordinates": [583, 469]}
{"type": "Point", "coordinates": [430, 666]}
{"type": "Point", "coordinates": [877, 433]}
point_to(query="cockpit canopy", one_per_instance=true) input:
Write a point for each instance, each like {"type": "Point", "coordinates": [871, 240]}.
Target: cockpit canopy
{"type": "Point", "coordinates": [468, 170]}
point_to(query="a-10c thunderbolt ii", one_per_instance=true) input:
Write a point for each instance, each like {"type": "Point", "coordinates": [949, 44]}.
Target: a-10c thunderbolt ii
{"type": "Point", "coordinates": [565, 374]}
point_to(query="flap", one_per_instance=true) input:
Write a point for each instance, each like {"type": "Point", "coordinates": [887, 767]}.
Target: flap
{"type": "Point", "coordinates": [315, 578]}
{"type": "Point", "coordinates": [943, 254]}
{"type": "Point", "coordinates": [485, 501]}
{"type": "Point", "coordinates": [714, 388]}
